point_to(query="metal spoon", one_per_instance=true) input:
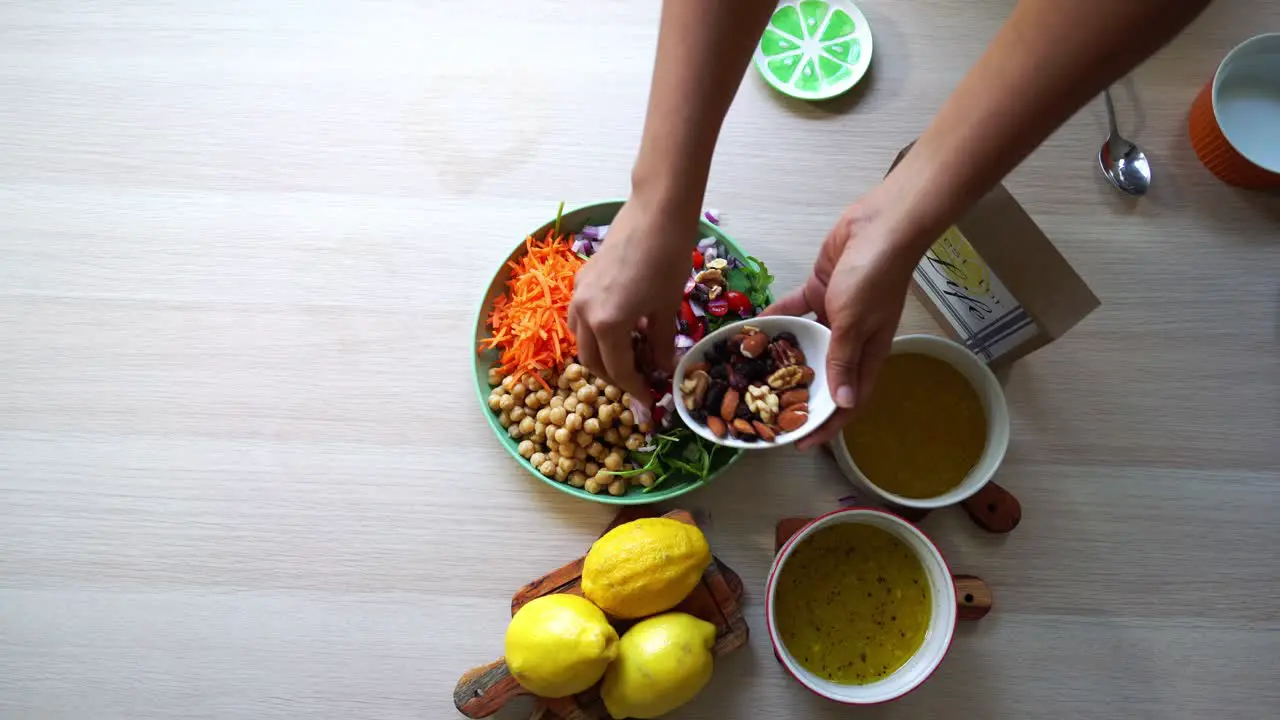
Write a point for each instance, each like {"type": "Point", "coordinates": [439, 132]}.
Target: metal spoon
{"type": "Point", "coordinates": [1123, 162]}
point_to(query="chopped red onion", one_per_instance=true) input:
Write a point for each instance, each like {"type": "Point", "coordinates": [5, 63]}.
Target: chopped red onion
{"type": "Point", "coordinates": [684, 342]}
{"type": "Point", "coordinates": [710, 254]}
{"type": "Point", "coordinates": [595, 232]}
{"type": "Point", "coordinates": [689, 285]}
{"type": "Point", "coordinates": [640, 411]}
{"type": "Point", "coordinates": [706, 242]}
{"type": "Point", "coordinates": [581, 245]}
{"type": "Point", "coordinates": [697, 309]}
{"type": "Point", "coordinates": [712, 215]}
{"type": "Point", "coordinates": [668, 402]}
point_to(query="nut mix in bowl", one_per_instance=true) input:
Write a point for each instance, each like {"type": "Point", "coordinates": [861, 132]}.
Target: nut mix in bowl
{"type": "Point", "coordinates": [569, 428]}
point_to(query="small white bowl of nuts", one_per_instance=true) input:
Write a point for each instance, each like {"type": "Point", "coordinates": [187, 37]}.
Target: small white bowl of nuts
{"type": "Point", "coordinates": [757, 383]}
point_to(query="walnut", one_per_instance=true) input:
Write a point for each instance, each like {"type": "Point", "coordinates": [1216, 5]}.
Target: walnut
{"type": "Point", "coordinates": [787, 377]}
{"type": "Point", "coordinates": [711, 278]}
{"type": "Point", "coordinates": [763, 402]}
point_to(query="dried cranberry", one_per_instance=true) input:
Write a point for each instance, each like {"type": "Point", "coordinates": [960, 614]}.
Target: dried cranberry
{"type": "Point", "coordinates": [789, 337]}
{"type": "Point", "coordinates": [699, 415]}
{"type": "Point", "coordinates": [719, 372]}
{"type": "Point", "coordinates": [699, 295]}
{"type": "Point", "coordinates": [719, 351]}
{"type": "Point", "coordinates": [754, 371]}
{"type": "Point", "coordinates": [715, 395]}
{"type": "Point", "coordinates": [742, 412]}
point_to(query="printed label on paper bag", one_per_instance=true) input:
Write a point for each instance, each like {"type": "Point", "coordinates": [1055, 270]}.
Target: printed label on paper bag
{"type": "Point", "coordinates": [973, 300]}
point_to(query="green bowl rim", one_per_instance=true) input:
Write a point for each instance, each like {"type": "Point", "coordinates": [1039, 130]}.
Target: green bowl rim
{"type": "Point", "coordinates": [482, 385]}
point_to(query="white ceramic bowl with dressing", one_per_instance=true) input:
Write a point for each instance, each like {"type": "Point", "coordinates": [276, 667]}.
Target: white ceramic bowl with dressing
{"type": "Point", "coordinates": [942, 612]}
{"type": "Point", "coordinates": [995, 409]}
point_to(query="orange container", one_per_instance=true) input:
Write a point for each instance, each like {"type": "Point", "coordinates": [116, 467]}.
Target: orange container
{"type": "Point", "coordinates": [1235, 119]}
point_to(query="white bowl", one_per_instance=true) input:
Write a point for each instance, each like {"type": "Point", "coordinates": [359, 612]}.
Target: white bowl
{"type": "Point", "coordinates": [993, 406]}
{"type": "Point", "coordinates": [814, 338]}
{"type": "Point", "coordinates": [942, 618]}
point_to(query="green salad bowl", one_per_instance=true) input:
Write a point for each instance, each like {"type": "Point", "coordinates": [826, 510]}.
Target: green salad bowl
{"type": "Point", "coordinates": [572, 221]}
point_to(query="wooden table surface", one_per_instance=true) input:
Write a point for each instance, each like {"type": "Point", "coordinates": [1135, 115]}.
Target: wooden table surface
{"type": "Point", "coordinates": [242, 469]}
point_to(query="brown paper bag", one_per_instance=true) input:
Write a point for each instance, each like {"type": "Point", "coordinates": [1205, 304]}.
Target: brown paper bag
{"type": "Point", "coordinates": [995, 282]}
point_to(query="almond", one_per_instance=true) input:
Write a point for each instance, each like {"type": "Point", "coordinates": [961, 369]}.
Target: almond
{"type": "Point", "coordinates": [793, 397]}
{"type": "Point", "coordinates": [742, 427]}
{"type": "Point", "coordinates": [729, 408]}
{"type": "Point", "coordinates": [765, 432]}
{"type": "Point", "coordinates": [806, 376]}
{"type": "Point", "coordinates": [794, 417]}
{"type": "Point", "coordinates": [754, 345]}
{"type": "Point", "coordinates": [717, 426]}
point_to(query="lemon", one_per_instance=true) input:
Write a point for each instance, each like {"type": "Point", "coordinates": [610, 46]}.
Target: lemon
{"type": "Point", "coordinates": [558, 645]}
{"type": "Point", "coordinates": [663, 662]}
{"type": "Point", "coordinates": [814, 49]}
{"type": "Point", "coordinates": [644, 567]}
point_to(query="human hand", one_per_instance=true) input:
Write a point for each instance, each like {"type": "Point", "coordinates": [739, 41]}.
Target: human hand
{"type": "Point", "coordinates": [857, 288]}
{"type": "Point", "coordinates": [635, 282]}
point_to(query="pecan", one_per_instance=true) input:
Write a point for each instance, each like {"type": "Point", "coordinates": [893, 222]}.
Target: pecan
{"type": "Point", "coordinates": [786, 378]}
{"type": "Point", "coordinates": [753, 345]}
{"type": "Point", "coordinates": [794, 417]}
{"type": "Point", "coordinates": [806, 376]}
{"type": "Point", "coordinates": [729, 406]}
{"type": "Point", "coordinates": [785, 354]}
{"type": "Point", "coordinates": [742, 427]}
{"type": "Point", "coordinates": [694, 388]}
{"type": "Point", "coordinates": [765, 432]}
{"type": "Point", "coordinates": [794, 397]}
{"type": "Point", "coordinates": [718, 428]}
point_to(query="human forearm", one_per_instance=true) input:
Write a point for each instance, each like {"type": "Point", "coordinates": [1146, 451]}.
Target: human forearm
{"type": "Point", "coordinates": [704, 47]}
{"type": "Point", "coordinates": [1049, 59]}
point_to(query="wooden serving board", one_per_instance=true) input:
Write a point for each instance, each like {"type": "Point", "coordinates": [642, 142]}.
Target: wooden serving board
{"type": "Point", "coordinates": [482, 691]}
{"type": "Point", "coordinates": [973, 595]}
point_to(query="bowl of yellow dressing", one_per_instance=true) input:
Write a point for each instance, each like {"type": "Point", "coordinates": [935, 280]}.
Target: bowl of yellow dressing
{"type": "Point", "coordinates": [934, 430]}
{"type": "Point", "coordinates": [860, 606]}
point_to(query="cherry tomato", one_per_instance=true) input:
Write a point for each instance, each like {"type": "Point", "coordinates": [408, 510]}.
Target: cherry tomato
{"type": "Point", "coordinates": [697, 260]}
{"type": "Point", "coordinates": [718, 307]}
{"type": "Point", "coordinates": [686, 314]}
{"type": "Point", "coordinates": [738, 302]}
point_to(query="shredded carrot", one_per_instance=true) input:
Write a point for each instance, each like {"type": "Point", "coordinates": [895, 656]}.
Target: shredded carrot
{"type": "Point", "coordinates": [530, 321]}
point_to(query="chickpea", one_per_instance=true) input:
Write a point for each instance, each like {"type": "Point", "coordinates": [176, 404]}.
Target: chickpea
{"type": "Point", "coordinates": [573, 423]}
{"type": "Point", "coordinates": [585, 410]}
{"type": "Point", "coordinates": [625, 432]}
{"type": "Point", "coordinates": [566, 464]}
{"type": "Point", "coordinates": [562, 436]}
{"type": "Point", "coordinates": [583, 438]}
{"type": "Point", "coordinates": [601, 402]}
{"type": "Point", "coordinates": [532, 401]}
{"type": "Point", "coordinates": [577, 385]}
{"type": "Point", "coordinates": [539, 429]}
{"type": "Point", "coordinates": [529, 382]}
{"type": "Point", "coordinates": [495, 376]}
{"type": "Point", "coordinates": [591, 469]}
{"type": "Point", "coordinates": [525, 448]}
{"type": "Point", "coordinates": [537, 459]}
{"type": "Point", "coordinates": [542, 415]}
{"type": "Point", "coordinates": [588, 393]}
{"type": "Point", "coordinates": [574, 371]}
{"type": "Point", "coordinates": [613, 461]}
{"type": "Point", "coordinates": [626, 418]}
{"type": "Point", "coordinates": [527, 425]}
{"type": "Point", "coordinates": [507, 402]}
{"type": "Point", "coordinates": [618, 487]}
{"type": "Point", "coordinates": [625, 399]}
{"type": "Point", "coordinates": [544, 397]}
{"type": "Point", "coordinates": [612, 437]}
{"type": "Point", "coordinates": [547, 468]}
{"type": "Point", "coordinates": [580, 454]}
{"type": "Point", "coordinates": [595, 450]}
{"type": "Point", "coordinates": [607, 414]}
{"type": "Point", "coordinates": [495, 401]}
{"type": "Point", "coordinates": [635, 442]}
{"type": "Point", "coordinates": [504, 420]}
{"type": "Point", "coordinates": [557, 401]}
{"type": "Point", "coordinates": [613, 393]}
{"type": "Point", "coordinates": [645, 427]}
{"type": "Point", "coordinates": [577, 478]}
{"type": "Point", "coordinates": [592, 486]}
{"type": "Point", "coordinates": [508, 382]}
{"type": "Point", "coordinates": [551, 433]}
{"type": "Point", "coordinates": [563, 382]}
{"type": "Point", "coordinates": [516, 413]}
{"type": "Point", "coordinates": [518, 392]}
{"type": "Point", "coordinates": [561, 474]}
{"type": "Point", "coordinates": [556, 416]}
{"type": "Point", "coordinates": [591, 426]}
{"type": "Point", "coordinates": [601, 384]}
{"type": "Point", "coordinates": [647, 479]}
{"type": "Point", "coordinates": [571, 403]}
{"type": "Point", "coordinates": [554, 457]}
{"type": "Point", "coordinates": [567, 450]}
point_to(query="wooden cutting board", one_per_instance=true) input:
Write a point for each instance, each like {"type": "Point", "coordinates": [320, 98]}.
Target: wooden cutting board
{"type": "Point", "coordinates": [482, 691]}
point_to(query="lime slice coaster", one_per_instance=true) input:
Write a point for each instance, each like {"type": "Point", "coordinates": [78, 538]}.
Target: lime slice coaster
{"type": "Point", "coordinates": [814, 49]}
